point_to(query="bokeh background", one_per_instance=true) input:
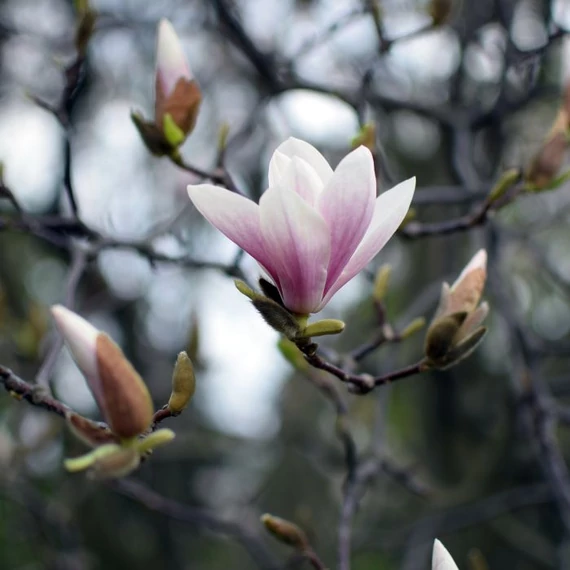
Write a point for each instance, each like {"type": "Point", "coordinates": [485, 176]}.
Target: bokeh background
{"type": "Point", "coordinates": [472, 93]}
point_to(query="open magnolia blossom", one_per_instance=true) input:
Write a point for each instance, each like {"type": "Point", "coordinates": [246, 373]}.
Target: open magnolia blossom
{"type": "Point", "coordinates": [121, 395]}
{"type": "Point", "coordinates": [314, 228]}
{"type": "Point", "coordinates": [441, 559]}
{"type": "Point", "coordinates": [456, 328]}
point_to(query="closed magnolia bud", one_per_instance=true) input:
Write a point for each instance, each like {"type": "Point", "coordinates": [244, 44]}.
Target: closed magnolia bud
{"type": "Point", "coordinates": [441, 335]}
{"type": "Point", "coordinates": [365, 137]}
{"type": "Point", "coordinates": [277, 317]}
{"type": "Point", "coordinates": [154, 440]}
{"type": "Point", "coordinates": [322, 328]}
{"type": "Point", "coordinates": [291, 352]}
{"type": "Point", "coordinates": [413, 327]}
{"type": "Point", "coordinates": [183, 384]}
{"type": "Point", "coordinates": [177, 93]}
{"type": "Point", "coordinates": [504, 184]}
{"type": "Point", "coordinates": [286, 532]}
{"type": "Point", "coordinates": [548, 162]}
{"type": "Point", "coordinates": [119, 390]}
{"type": "Point", "coordinates": [381, 282]}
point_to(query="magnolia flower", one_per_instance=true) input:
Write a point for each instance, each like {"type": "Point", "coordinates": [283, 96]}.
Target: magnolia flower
{"type": "Point", "coordinates": [455, 330]}
{"type": "Point", "coordinates": [121, 395]}
{"type": "Point", "coordinates": [441, 559]}
{"type": "Point", "coordinates": [314, 228]}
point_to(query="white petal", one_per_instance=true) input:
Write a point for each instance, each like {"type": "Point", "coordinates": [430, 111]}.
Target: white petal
{"type": "Point", "coordinates": [441, 559]}
{"type": "Point", "coordinates": [81, 338]}
{"type": "Point", "coordinates": [278, 165]}
{"type": "Point", "coordinates": [347, 205]}
{"type": "Point", "coordinates": [297, 242]}
{"type": "Point", "coordinates": [296, 147]}
{"type": "Point", "coordinates": [300, 177]}
{"type": "Point", "coordinates": [235, 216]}
{"type": "Point", "coordinates": [171, 63]}
{"type": "Point", "coordinates": [389, 212]}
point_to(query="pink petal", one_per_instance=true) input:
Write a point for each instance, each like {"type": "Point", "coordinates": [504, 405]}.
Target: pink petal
{"type": "Point", "coordinates": [347, 205]}
{"type": "Point", "coordinates": [441, 559]}
{"type": "Point", "coordinates": [389, 211]}
{"type": "Point", "coordinates": [297, 241]}
{"type": "Point", "coordinates": [235, 216]}
{"type": "Point", "coordinates": [296, 147]}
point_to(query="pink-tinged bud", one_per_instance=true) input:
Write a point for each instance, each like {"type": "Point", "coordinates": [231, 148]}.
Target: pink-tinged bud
{"type": "Point", "coordinates": [177, 92]}
{"type": "Point", "coordinates": [118, 388]}
{"type": "Point", "coordinates": [441, 559]}
{"type": "Point", "coordinates": [455, 330]}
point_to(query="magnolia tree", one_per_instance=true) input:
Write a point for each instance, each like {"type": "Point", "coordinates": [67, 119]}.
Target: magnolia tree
{"type": "Point", "coordinates": [331, 217]}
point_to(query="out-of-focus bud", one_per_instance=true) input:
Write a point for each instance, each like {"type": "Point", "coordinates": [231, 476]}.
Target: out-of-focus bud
{"type": "Point", "coordinates": [455, 330]}
{"type": "Point", "coordinates": [119, 390]}
{"type": "Point", "coordinates": [546, 164]}
{"type": "Point", "coordinates": [286, 532]}
{"type": "Point", "coordinates": [413, 327]}
{"type": "Point", "coordinates": [177, 93]}
{"type": "Point", "coordinates": [381, 282]}
{"type": "Point", "coordinates": [505, 183]}
{"type": "Point", "coordinates": [177, 97]}
{"type": "Point", "coordinates": [183, 384]}
{"type": "Point", "coordinates": [366, 136]}
{"type": "Point", "coordinates": [440, 11]}
{"type": "Point", "coordinates": [291, 352]}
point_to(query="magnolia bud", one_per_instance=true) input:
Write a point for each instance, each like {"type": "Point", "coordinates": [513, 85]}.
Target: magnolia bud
{"type": "Point", "coordinates": [291, 352]}
{"type": "Point", "coordinates": [412, 328]}
{"type": "Point", "coordinates": [178, 95]}
{"type": "Point", "coordinates": [322, 328]}
{"type": "Point", "coordinates": [286, 532]}
{"type": "Point", "coordinates": [277, 317]}
{"type": "Point", "coordinates": [365, 137]}
{"type": "Point", "coordinates": [441, 334]}
{"type": "Point", "coordinates": [154, 440]}
{"type": "Point", "coordinates": [183, 384]}
{"type": "Point", "coordinates": [119, 390]}
{"type": "Point", "coordinates": [505, 183]}
{"type": "Point", "coordinates": [548, 162]}
{"type": "Point", "coordinates": [381, 282]}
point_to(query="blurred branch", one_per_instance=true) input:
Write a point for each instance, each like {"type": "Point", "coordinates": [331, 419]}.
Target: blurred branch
{"type": "Point", "coordinates": [237, 529]}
